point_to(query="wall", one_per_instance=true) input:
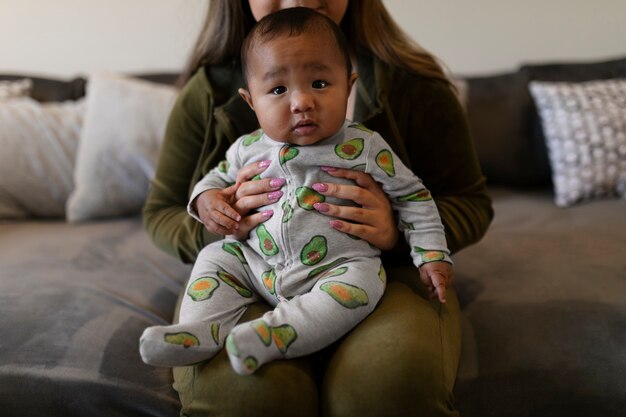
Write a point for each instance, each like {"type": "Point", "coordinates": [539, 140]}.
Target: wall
{"type": "Point", "coordinates": [72, 37]}
{"type": "Point", "coordinates": [477, 36]}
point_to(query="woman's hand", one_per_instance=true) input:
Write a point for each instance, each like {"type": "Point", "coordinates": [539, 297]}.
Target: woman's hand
{"type": "Point", "coordinates": [242, 197]}
{"type": "Point", "coordinates": [373, 221]}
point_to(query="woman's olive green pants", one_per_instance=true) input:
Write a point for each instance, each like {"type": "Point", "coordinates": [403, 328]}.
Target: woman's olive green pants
{"type": "Point", "coordinates": [400, 361]}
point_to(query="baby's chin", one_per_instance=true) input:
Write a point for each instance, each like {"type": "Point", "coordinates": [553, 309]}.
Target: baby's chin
{"type": "Point", "coordinates": [302, 140]}
{"type": "Point", "coordinates": [306, 140]}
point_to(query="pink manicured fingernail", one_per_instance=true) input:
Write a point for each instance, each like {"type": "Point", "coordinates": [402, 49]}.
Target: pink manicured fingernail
{"type": "Point", "coordinates": [329, 169]}
{"type": "Point", "coordinates": [275, 195]}
{"type": "Point", "coordinates": [320, 188]}
{"type": "Point", "coordinates": [277, 182]}
{"type": "Point", "coordinates": [267, 213]}
{"type": "Point", "coordinates": [265, 164]}
{"type": "Point", "coordinates": [336, 224]}
{"type": "Point", "coordinates": [323, 207]}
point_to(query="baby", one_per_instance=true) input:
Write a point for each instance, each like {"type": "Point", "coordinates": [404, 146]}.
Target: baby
{"type": "Point", "coordinates": [320, 281]}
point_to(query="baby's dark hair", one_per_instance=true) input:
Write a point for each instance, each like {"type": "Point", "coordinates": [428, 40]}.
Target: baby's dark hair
{"type": "Point", "coordinates": [293, 21]}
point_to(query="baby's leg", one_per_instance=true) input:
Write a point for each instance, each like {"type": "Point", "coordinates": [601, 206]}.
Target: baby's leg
{"type": "Point", "coordinates": [216, 296]}
{"type": "Point", "coordinates": [307, 323]}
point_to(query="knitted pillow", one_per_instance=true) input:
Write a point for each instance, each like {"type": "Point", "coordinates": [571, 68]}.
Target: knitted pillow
{"type": "Point", "coordinates": [585, 129]}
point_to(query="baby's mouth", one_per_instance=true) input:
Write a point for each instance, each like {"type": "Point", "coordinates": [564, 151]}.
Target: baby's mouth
{"type": "Point", "coordinates": [305, 127]}
{"type": "Point", "coordinates": [305, 123]}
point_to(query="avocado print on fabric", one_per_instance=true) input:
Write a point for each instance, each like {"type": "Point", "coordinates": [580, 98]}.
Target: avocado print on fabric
{"type": "Point", "coordinates": [429, 255]}
{"type": "Point", "coordinates": [382, 274]}
{"type": "Point", "coordinates": [267, 244]}
{"type": "Point", "coordinates": [423, 195]}
{"type": "Point", "coordinates": [351, 149]}
{"type": "Point", "coordinates": [347, 295]}
{"type": "Point", "coordinates": [384, 160]}
{"type": "Point", "coordinates": [250, 362]}
{"type": "Point", "coordinates": [287, 212]}
{"type": "Point", "coordinates": [215, 332]}
{"type": "Point", "coordinates": [234, 248]}
{"type": "Point", "coordinates": [314, 251]}
{"type": "Point", "coordinates": [335, 272]}
{"type": "Point", "coordinates": [252, 137]}
{"type": "Point", "coordinates": [186, 339]}
{"type": "Point", "coordinates": [223, 166]}
{"type": "Point", "coordinates": [269, 281]}
{"type": "Point", "coordinates": [321, 269]}
{"type": "Point", "coordinates": [233, 282]}
{"type": "Point", "coordinates": [307, 197]}
{"type": "Point", "coordinates": [361, 127]}
{"type": "Point", "coordinates": [202, 288]}
{"type": "Point", "coordinates": [282, 336]}
{"type": "Point", "coordinates": [407, 225]}
{"type": "Point", "coordinates": [183, 339]}
{"type": "Point", "coordinates": [287, 153]}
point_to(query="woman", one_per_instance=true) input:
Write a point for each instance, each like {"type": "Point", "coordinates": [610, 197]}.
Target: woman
{"type": "Point", "coordinates": [379, 369]}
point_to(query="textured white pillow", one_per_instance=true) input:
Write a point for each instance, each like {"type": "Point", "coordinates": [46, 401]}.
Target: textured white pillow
{"type": "Point", "coordinates": [38, 145]}
{"type": "Point", "coordinates": [585, 128]}
{"type": "Point", "coordinates": [124, 124]}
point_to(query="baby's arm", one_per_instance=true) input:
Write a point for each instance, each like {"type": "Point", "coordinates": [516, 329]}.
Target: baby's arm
{"type": "Point", "coordinates": [217, 212]}
{"type": "Point", "coordinates": [418, 214]}
{"type": "Point", "coordinates": [437, 276]}
{"type": "Point", "coordinates": [213, 197]}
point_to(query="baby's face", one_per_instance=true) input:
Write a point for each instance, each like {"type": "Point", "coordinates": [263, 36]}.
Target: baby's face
{"type": "Point", "coordinates": [298, 86]}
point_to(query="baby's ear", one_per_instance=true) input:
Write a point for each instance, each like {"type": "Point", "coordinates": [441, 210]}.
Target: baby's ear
{"type": "Point", "coordinates": [245, 94]}
{"type": "Point", "coordinates": [352, 80]}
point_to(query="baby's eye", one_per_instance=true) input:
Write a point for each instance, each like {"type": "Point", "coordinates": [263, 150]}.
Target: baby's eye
{"type": "Point", "coordinates": [278, 90]}
{"type": "Point", "coordinates": [319, 84]}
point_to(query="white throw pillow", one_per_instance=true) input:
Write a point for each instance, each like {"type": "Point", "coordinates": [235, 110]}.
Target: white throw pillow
{"type": "Point", "coordinates": [585, 128]}
{"type": "Point", "coordinates": [124, 124]}
{"type": "Point", "coordinates": [38, 145]}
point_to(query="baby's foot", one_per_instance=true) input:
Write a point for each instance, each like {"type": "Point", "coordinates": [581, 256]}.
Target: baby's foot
{"type": "Point", "coordinates": [250, 345]}
{"type": "Point", "coordinates": [179, 344]}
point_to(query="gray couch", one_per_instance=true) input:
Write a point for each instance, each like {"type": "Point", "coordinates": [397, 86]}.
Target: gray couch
{"type": "Point", "coordinates": [543, 294]}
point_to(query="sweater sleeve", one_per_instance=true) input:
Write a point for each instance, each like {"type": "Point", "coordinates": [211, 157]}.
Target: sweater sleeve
{"type": "Point", "coordinates": [417, 213]}
{"type": "Point", "coordinates": [165, 214]}
{"type": "Point", "coordinates": [443, 156]}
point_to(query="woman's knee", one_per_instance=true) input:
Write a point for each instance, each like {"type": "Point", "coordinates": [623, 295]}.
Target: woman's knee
{"type": "Point", "coordinates": [281, 388]}
{"type": "Point", "coordinates": [401, 361]}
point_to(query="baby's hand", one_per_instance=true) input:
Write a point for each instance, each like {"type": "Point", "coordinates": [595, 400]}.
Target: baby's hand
{"type": "Point", "coordinates": [437, 276]}
{"type": "Point", "coordinates": [214, 207]}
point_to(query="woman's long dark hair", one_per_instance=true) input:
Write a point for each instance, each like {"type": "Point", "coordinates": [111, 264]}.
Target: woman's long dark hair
{"type": "Point", "coordinates": [368, 26]}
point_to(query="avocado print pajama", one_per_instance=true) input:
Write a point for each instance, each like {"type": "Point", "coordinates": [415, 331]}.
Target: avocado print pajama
{"type": "Point", "coordinates": [321, 282]}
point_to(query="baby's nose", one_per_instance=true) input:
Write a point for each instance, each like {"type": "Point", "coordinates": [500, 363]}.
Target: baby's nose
{"type": "Point", "coordinates": [301, 102]}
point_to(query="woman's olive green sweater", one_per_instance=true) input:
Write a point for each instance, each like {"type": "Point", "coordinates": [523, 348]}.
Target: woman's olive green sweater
{"type": "Point", "coordinates": [420, 118]}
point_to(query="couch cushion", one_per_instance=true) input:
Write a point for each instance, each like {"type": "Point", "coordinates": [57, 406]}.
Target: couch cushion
{"type": "Point", "coordinates": [49, 89]}
{"type": "Point", "coordinates": [505, 124]}
{"type": "Point", "coordinates": [46, 89]}
{"type": "Point", "coordinates": [73, 303]}
{"type": "Point", "coordinates": [542, 295]}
